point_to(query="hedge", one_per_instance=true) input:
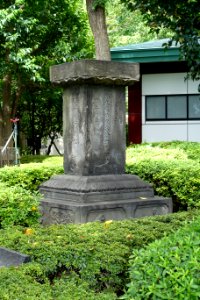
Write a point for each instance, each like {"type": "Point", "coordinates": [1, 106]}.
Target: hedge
{"type": "Point", "coordinates": [168, 268]}
{"type": "Point", "coordinates": [173, 169]}
{"type": "Point", "coordinates": [89, 259]}
{"type": "Point", "coordinates": [18, 206]}
{"type": "Point", "coordinates": [29, 176]}
{"type": "Point", "coordinates": [190, 149]}
{"type": "Point", "coordinates": [170, 171]}
{"type": "Point", "coordinates": [20, 283]}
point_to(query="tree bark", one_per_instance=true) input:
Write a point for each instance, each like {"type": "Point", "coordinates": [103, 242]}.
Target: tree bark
{"type": "Point", "coordinates": [5, 124]}
{"type": "Point", "coordinates": [97, 21]}
{"type": "Point", "coordinates": [5, 109]}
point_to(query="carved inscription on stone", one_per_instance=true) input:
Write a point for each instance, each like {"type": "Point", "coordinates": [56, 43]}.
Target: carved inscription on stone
{"type": "Point", "coordinates": [107, 214]}
{"type": "Point", "coordinates": [61, 216]}
{"type": "Point", "coordinates": [97, 117]}
{"type": "Point", "coordinates": [75, 121]}
{"type": "Point", "coordinates": [76, 143]}
{"type": "Point", "coordinates": [107, 124]}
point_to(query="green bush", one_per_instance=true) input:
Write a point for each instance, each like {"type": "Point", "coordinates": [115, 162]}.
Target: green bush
{"type": "Point", "coordinates": [93, 256]}
{"type": "Point", "coordinates": [191, 149]}
{"type": "Point", "coordinates": [19, 196]}
{"type": "Point", "coordinates": [170, 171]}
{"type": "Point", "coordinates": [71, 287]}
{"type": "Point", "coordinates": [18, 206]}
{"type": "Point", "coordinates": [29, 176]}
{"type": "Point", "coordinates": [16, 283]}
{"type": "Point", "coordinates": [28, 282]}
{"type": "Point", "coordinates": [168, 268]}
{"type": "Point", "coordinates": [44, 159]}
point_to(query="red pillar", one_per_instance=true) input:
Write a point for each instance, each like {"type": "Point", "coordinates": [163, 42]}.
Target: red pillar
{"type": "Point", "coordinates": [135, 113]}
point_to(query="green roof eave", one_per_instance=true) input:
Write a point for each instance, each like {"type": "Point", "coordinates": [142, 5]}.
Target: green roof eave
{"type": "Point", "coordinates": [145, 55]}
{"type": "Point", "coordinates": [151, 51]}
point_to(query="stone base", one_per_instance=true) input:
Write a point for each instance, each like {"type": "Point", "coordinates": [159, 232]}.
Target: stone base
{"type": "Point", "coordinates": [81, 199]}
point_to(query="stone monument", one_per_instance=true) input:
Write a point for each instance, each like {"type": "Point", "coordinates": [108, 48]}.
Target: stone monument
{"type": "Point", "coordinates": [94, 185]}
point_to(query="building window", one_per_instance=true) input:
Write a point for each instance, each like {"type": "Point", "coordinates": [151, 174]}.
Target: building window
{"type": "Point", "coordinates": [194, 107]}
{"type": "Point", "coordinates": [173, 107]}
{"type": "Point", "coordinates": [155, 107]}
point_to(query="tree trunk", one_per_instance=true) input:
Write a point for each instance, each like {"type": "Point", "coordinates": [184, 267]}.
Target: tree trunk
{"type": "Point", "coordinates": [97, 21]}
{"type": "Point", "coordinates": [5, 124]}
{"type": "Point", "coordinates": [5, 109]}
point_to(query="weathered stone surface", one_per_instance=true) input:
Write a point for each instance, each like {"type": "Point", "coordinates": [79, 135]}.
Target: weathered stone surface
{"type": "Point", "coordinates": [62, 212]}
{"type": "Point", "coordinates": [12, 258]}
{"type": "Point", "coordinates": [94, 72]}
{"type": "Point", "coordinates": [94, 130]}
{"type": "Point", "coordinates": [89, 185]}
{"type": "Point", "coordinates": [80, 199]}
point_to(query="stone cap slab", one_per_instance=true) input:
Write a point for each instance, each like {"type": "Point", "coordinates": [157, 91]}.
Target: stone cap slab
{"type": "Point", "coordinates": [12, 258]}
{"type": "Point", "coordinates": [95, 72]}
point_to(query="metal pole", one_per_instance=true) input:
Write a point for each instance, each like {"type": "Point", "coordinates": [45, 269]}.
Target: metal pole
{"type": "Point", "coordinates": [15, 139]}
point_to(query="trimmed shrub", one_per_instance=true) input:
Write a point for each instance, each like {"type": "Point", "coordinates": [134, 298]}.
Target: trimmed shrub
{"type": "Point", "coordinates": [28, 282]}
{"type": "Point", "coordinates": [170, 171]}
{"type": "Point", "coordinates": [168, 268]}
{"type": "Point", "coordinates": [19, 199]}
{"type": "Point", "coordinates": [93, 255]}
{"type": "Point", "coordinates": [16, 284]}
{"type": "Point", "coordinates": [18, 206]}
{"type": "Point", "coordinates": [191, 149]}
{"type": "Point", "coordinates": [44, 159]}
{"type": "Point", "coordinates": [71, 287]}
{"type": "Point", "coordinates": [28, 176]}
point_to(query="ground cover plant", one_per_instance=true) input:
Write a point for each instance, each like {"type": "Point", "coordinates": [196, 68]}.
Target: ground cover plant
{"type": "Point", "coordinates": [89, 261]}
{"type": "Point", "coordinates": [173, 267]}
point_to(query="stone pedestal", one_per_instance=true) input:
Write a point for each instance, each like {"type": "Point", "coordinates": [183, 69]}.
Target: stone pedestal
{"type": "Point", "coordinates": [95, 186]}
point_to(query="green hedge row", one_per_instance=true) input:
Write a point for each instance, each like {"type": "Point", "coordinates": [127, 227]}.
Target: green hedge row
{"type": "Point", "coordinates": [170, 171]}
{"type": "Point", "coordinates": [191, 149]}
{"type": "Point", "coordinates": [19, 196]}
{"type": "Point", "coordinates": [24, 284]}
{"type": "Point", "coordinates": [168, 268]}
{"type": "Point", "coordinates": [18, 206]}
{"type": "Point", "coordinates": [88, 261]}
{"type": "Point", "coordinates": [173, 168]}
{"type": "Point", "coordinates": [29, 176]}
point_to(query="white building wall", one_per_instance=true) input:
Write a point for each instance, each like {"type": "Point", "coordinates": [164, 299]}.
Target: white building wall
{"type": "Point", "coordinates": [166, 84]}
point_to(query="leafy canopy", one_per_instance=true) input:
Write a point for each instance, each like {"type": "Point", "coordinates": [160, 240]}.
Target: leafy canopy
{"type": "Point", "coordinates": [128, 27]}
{"type": "Point", "coordinates": [35, 34]}
{"type": "Point", "coordinates": [182, 18]}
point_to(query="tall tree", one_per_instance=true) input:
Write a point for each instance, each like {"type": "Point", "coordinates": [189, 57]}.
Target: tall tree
{"type": "Point", "coordinates": [182, 18]}
{"type": "Point", "coordinates": [33, 35]}
{"type": "Point", "coordinates": [97, 19]}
